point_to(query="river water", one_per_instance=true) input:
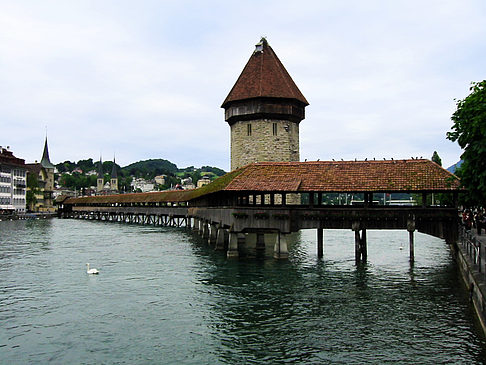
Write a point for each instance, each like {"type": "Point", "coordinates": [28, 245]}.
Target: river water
{"type": "Point", "coordinates": [164, 296]}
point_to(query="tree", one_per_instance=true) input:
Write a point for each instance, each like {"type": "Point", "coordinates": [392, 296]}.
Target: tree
{"type": "Point", "coordinates": [86, 165]}
{"type": "Point", "coordinates": [124, 183]}
{"type": "Point", "coordinates": [215, 170]}
{"type": "Point", "coordinates": [33, 189]}
{"type": "Point", "coordinates": [68, 181]}
{"type": "Point", "coordinates": [65, 166]}
{"type": "Point", "coordinates": [436, 158]}
{"type": "Point", "coordinates": [469, 130]}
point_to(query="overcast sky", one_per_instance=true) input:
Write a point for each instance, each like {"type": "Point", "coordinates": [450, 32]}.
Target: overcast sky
{"type": "Point", "coordinates": [146, 79]}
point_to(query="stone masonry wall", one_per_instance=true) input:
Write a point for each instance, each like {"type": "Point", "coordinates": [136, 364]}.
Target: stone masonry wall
{"type": "Point", "coordinates": [262, 145]}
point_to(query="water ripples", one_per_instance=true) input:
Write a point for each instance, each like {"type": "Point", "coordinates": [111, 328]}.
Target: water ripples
{"type": "Point", "coordinates": [164, 296]}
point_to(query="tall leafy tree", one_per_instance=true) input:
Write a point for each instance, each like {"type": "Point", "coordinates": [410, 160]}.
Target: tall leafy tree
{"type": "Point", "coordinates": [469, 130]}
{"type": "Point", "coordinates": [86, 165]}
{"type": "Point", "coordinates": [33, 189]}
{"type": "Point", "coordinates": [436, 158]}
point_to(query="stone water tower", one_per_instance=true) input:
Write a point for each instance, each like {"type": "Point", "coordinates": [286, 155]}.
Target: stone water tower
{"type": "Point", "coordinates": [264, 109]}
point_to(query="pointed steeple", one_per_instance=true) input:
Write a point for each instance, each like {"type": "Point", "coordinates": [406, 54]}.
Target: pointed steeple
{"type": "Point", "coordinates": [264, 76]}
{"type": "Point", "coordinates": [45, 161]}
{"type": "Point", "coordinates": [100, 170]}
{"type": "Point", "coordinates": [114, 177]}
{"type": "Point", "coordinates": [100, 180]}
{"type": "Point", "coordinates": [114, 174]}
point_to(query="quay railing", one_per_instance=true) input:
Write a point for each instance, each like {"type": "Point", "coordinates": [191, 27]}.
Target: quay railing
{"type": "Point", "coordinates": [474, 249]}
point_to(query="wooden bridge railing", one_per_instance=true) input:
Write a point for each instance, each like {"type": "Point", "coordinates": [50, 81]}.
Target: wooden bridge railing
{"type": "Point", "coordinates": [474, 249]}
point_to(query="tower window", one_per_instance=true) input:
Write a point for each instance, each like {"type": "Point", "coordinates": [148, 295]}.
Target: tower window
{"type": "Point", "coordinates": [248, 129]}
{"type": "Point", "coordinates": [274, 129]}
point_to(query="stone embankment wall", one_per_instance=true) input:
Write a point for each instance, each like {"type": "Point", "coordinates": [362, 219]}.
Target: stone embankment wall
{"type": "Point", "coordinates": [474, 280]}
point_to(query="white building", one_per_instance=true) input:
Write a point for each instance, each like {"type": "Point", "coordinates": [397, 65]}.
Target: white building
{"type": "Point", "coordinates": [142, 184]}
{"type": "Point", "coordinates": [205, 180]}
{"type": "Point", "coordinates": [187, 183]}
{"type": "Point", "coordinates": [13, 182]}
{"type": "Point", "coordinates": [160, 179]}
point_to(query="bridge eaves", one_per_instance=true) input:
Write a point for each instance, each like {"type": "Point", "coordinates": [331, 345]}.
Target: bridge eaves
{"type": "Point", "coordinates": [346, 176]}
{"type": "Point", "coordinates": [412, 176]}
{"type": "Point", "coordinates": [173, 196]}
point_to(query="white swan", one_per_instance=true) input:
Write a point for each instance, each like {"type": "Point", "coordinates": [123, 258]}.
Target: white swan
{"type": "Point", "coordinates": [91, 271]}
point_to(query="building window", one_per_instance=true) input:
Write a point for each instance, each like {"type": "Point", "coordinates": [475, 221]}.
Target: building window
{"type": "Point", "coordinates": [248, 129]}
{"type": "Point", "coordinates": [274, 129]}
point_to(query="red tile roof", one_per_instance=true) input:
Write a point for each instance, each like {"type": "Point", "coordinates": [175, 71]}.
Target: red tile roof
{"type": "Point", "coordinates": [8, 158]}
{"type": "Point", "coordinates": [325, 176]}
{"type": "Point", "coordinates": [345, 176]}
{"type": "Point", "coordinates": [264, 76]}
{"type": "Point", "coordinates": [150, 197]}
{"type": "Point", "coordinates": [159, 196]}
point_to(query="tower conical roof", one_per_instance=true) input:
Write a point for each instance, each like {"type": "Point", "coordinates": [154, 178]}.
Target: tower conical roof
{"type": "Point", "coordinates": [45, 161]}
{"type": "Point", "coordinates": [100, 170]}
{"type": "Point", "coordinates": [114, 174]}
{"type": "Point", "coordinates": [264, 76]}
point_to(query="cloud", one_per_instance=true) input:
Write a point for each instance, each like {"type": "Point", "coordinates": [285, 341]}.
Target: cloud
{"type": "Point", "coordinates": [147, 80]}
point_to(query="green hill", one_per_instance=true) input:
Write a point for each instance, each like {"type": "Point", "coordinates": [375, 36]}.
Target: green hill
{"type": "Point", "coordinates": [148, 169]}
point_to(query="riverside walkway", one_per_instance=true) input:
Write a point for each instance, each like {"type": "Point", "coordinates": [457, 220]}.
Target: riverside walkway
{"type": "Point", "coordinates": [260, 204]}
{"type": "Point", "coordinates": [471, 257]}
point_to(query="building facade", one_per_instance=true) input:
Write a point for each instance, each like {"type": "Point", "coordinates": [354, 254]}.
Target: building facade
{"type": "Point", "coordinates": [111, 187]}
{"type": "Point", "coordinates": [264, 109]}
{"type": "Point", "coordinates": [142, 185]}
{"type": "Point", "coordinates": [42, 187]}
{"type": "Point", "coordinates": [114, 178]}
{"type": "Point", "coordinates": [13, 182]}
{"type": "Point", "coordinates": [100, 180]}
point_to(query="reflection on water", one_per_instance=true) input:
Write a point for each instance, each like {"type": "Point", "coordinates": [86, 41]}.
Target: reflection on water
{"type": "Point", "coordinates": [164, 296]}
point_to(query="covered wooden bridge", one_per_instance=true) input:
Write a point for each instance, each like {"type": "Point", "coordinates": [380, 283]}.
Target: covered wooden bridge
{"type": "Point", "coordinates": [262, 203]}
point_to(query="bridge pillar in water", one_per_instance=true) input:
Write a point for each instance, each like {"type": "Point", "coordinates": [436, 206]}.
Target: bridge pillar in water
{"type": "Point", "coordinates": [221, 238]}
{"type": "Point", "coordinates": [363, 246]}
{"type": "Point", "coordinates": [280, 250]}
{"type": "Point", "coordinates": [213, 230]}
{"type": "Point", "coordinates": [232, 245]}
{"type": "Point", "coordinates": [320, 242]}
{"type": "Point", "coordinates": [195, 226]}
{"type": "Point", "coordinates": [360, 245]}
{"type": "Point", "coordinates": [205, 230]}
{"type": "Point", "coordinates": [188, 222]}
{"type": "Point", "coordinates": [411, 229]}
{"type": "Point", "coordinates": [200, 227]}
{"type": "Point", "coordinates": [260, 243]}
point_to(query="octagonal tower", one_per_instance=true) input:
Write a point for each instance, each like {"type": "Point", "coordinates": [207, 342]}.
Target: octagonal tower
{"type": "Point", "coordinates": [264, 109]}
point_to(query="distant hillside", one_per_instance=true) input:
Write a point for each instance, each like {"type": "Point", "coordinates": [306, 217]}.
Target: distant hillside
{"type": "Point", "coordinates": [454, 167]}
{"type": "Point", "coordinates": [150, 168]}
{"type": "Point", "coordinates": [147, 169]}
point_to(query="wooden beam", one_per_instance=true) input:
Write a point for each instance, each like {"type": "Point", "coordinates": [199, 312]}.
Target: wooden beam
{"type": "Point", "coordinates": [320, 242]}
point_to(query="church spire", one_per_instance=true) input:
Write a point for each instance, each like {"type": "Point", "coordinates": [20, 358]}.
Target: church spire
{"type": "Point", "coordinates": [100, 169]}
{"type": "Point", "coordinates": [114, 174]}
{"type": "Point", "coordinates": [45, 161]}
{"type": "Point", "coordinates": [114, 177]}
{"type": "Point", "coordinates": [100, 180]}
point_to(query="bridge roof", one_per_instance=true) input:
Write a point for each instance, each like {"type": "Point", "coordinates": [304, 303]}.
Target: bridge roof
{"type": "Point", "coordinates": [418, 175]}
{"type": "Point", "coordinates": [324, 176]}
{"type": "Point", "coordinates": [158, 196]}
{"type": "Point", "coordinates": [264, 76]}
